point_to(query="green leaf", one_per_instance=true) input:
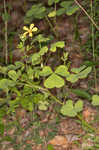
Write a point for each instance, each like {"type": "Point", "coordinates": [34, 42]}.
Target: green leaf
{"type": "Point", "coordinates": [52, 14]}
{"type": "Point", "coordinates": [71, 10]}
{"type": "Point", "coordinates": [3, 70]}
{"type": "Point", "coordinates": [35, 59]}
{"type": "Point", "coordinates": [5, 83]}
{"type": "Point", "coordinates": [19, 64]}
{"type": "Point", "coordinates": [60, 11]}
{"type": "Point", "coordinates": [84, 73]}
{"type": "Point", "coordinates": [27, 103]}
{"type": "Point", "coordinates": [30, 72]}
{"type": "Point", "coordinates": [72, 78]}
{"type": "Point", "coordinates": [43, 50]}
{"type": "Point", "coordinates": [77, 70]}
{"type": "Point", "coordinates": [68, 110]}
{"type": "Point", "coordinates": [13, 75]}
{"type": "Point", "coordinates": [95, 100]}
{"type": "Point", "coordinates": [65, 4]}
{"type": "Point", "coordinates": [43, 105]}
{"type": "Point", "coordinates": [50, 147]}
{"type": "Point", "coordinates": [38, 97]}
{"type": "Point", "coordinates": [81, 93]}
{"type": "Point", "coordinates": [62, 70]}
{"type": "Point", "coordinates": [50, 2]}
{"type": "Point", "coordinates": [79, 106]}
{"type": "Point", "coordinates": [37, 11]}
{"type": "Point", "coordinates": [59, 44]}
{"type": "Point", "coordinates": [46, 71]}
{"type": "Point", "coordinates": [40, 38]}
{"type": "Point", "coordinates": [54, 81]}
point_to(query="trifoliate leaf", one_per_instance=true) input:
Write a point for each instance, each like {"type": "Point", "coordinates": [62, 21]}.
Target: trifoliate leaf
{"type": "Point", "coordinates": [54, 81]}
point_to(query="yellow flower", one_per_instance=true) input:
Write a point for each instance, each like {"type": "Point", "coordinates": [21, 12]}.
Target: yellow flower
{"type": "Point", "coordinates": [29, 30]}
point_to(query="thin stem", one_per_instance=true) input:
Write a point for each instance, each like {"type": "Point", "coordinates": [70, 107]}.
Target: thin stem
{"type": "Point", "coordinates": [93, 44]}
{"type": "Point", "coordinates": [87, 14]}
{"type": "Point", "coordinates": [55, 15]}
{"type": "Point", "coordinates": [6, 36]}
{"type": "Point", "coordinates": [51, 26]}
{"type": "Point", "coordinates": [44, 90]}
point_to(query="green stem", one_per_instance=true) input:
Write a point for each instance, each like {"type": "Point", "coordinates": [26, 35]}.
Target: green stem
{"type": "Point", "coordinates": [44, 90]}
{"type": "Point", "coordinates": [51, 26]}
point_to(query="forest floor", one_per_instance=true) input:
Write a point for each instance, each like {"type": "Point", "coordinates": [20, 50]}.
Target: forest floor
{"type": "Point", "coordinates": [51, 131]}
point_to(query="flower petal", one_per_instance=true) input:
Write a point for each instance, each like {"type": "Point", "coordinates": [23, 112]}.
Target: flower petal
{"type": "Point", "coordinates": [31, 26]}
{"type": "Point", "coordinates": [25, 28]}
{"type": "Point", "coordinates": [30, 34]}
{"type": "Point", "coordinates": [24, 34]}
{"type": "Point", "coordinates": [34, 29]}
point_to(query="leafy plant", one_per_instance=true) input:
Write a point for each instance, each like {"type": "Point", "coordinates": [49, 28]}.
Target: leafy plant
{"type": "Point", "coordinates": [24, 79]}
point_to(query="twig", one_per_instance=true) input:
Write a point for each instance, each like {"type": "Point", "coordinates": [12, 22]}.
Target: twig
{"type": "Point", "coordinates": [6, 36]}
{"type": "Point", "coordinates": [44, 90]}
{"type": "Point", "coordinates": [87, 14]}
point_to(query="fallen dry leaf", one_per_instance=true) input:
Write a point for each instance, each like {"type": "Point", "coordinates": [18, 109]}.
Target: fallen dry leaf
{"type": "Point", "coordinates": [11, 148]}
{"type": "Point", "coordinates": [88, 114]}
{"type": "Point", "coordinates": [59, 140]}
{"type": "Point", "coordinates": [12, 131]}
